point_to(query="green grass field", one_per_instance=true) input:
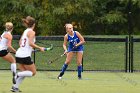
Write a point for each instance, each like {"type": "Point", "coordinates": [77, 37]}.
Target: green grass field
{"type": "Point", "coordinates": [92, 82]}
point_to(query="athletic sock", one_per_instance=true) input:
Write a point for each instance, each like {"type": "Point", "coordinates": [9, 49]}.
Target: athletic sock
{"type": "Point", "coordinates": [13, 67]}
{"type": "Point", "coordinates": [21, 76]}
{"type": "Point", "coordinates": [63, 69]}
{"type": "Point", "coordinates": [19, 81]}
{"type": "Point", "coordinates": [25, 74]}
{"type": "Point", "coordinates": [79, 70]}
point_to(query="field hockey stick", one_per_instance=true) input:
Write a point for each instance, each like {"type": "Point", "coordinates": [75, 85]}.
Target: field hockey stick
{"type": "Point", "coordinates": [57, 58]}
{"type": "Point", "coordinates": [45, 49]}
{"type": "Point", "coordinates": [38, 50]}
{"type": "Point", "coordinates": [12, 52]}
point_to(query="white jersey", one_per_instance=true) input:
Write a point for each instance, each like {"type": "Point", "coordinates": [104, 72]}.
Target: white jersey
{"type": "Point", "coordinates": [25, 50]}
{"type": "Point", "coordinates": [3, 41]}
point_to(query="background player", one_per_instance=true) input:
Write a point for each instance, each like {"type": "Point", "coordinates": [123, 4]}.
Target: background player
{"type": "Point", "coordinates": [76, 42]}
{"type": "Point", "coordinates": [5, 45]}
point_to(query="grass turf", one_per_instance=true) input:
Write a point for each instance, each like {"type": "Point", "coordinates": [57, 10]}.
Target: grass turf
{"type": "Point", "coordinates": [92, 82]}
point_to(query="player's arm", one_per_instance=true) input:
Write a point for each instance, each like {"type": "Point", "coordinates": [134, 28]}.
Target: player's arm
{"type": "Point", "coordinates": [9, 43]}
{"type": "Point", "coordinates": [82, 41]}
{"type": "Point", "coordinates": [65, 43]}
{"type": "Point", "coordinates": [31, 36]}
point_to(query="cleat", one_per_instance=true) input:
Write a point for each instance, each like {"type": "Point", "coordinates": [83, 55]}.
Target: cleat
{"type": "Point", "coordinates": [60, 76]}
{"type": "Point", "coordinates": [13, 89]}
{"type": "Point", "coordinates": [79, 77]}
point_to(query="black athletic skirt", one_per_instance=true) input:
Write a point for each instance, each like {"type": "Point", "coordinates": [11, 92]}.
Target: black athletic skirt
{"type": "Point", "coordinates": [3, 53]}
{"type": "Point", "coordinates": [25, 60]}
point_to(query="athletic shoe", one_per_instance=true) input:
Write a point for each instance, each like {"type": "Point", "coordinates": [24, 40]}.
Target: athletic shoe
{"type": "Point", "coordinates": [60, 75]}
{"type": "Point", "coordinates": [13, 89]}
{"type": "Point", "coordinates": [79, 77]}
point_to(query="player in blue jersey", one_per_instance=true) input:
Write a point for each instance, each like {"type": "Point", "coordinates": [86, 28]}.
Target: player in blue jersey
{"type": "Point", "coordinates": [76, 41]}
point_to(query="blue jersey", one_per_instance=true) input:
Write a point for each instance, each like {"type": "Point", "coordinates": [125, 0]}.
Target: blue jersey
{"type": "Point", "coordinates": [73, 40]}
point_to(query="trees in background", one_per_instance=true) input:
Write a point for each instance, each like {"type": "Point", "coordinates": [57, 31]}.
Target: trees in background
{"type": "Point", "coordinates": [88, 16]}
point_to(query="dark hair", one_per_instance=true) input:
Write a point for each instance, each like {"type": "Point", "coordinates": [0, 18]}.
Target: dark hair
{"type": "Point", "coordinates": [30, 21]}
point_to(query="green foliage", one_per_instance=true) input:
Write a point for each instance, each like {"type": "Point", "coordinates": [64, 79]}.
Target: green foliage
{"type": "Point", "coordinates": [87, 16]}
{"type": "Point", "coordinates": [113, 17]}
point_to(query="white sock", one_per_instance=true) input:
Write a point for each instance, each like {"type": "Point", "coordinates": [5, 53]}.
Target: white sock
{"type": "Point", "coordinates": [19, 81]}
{"type": "Point", "coordinates": [25, 74]}
{"type": "Point", "coordinates": [13, 67]}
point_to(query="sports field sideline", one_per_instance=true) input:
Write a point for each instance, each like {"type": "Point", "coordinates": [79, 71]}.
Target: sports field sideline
{"type": "Point", "coordinates": [92, 82]}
